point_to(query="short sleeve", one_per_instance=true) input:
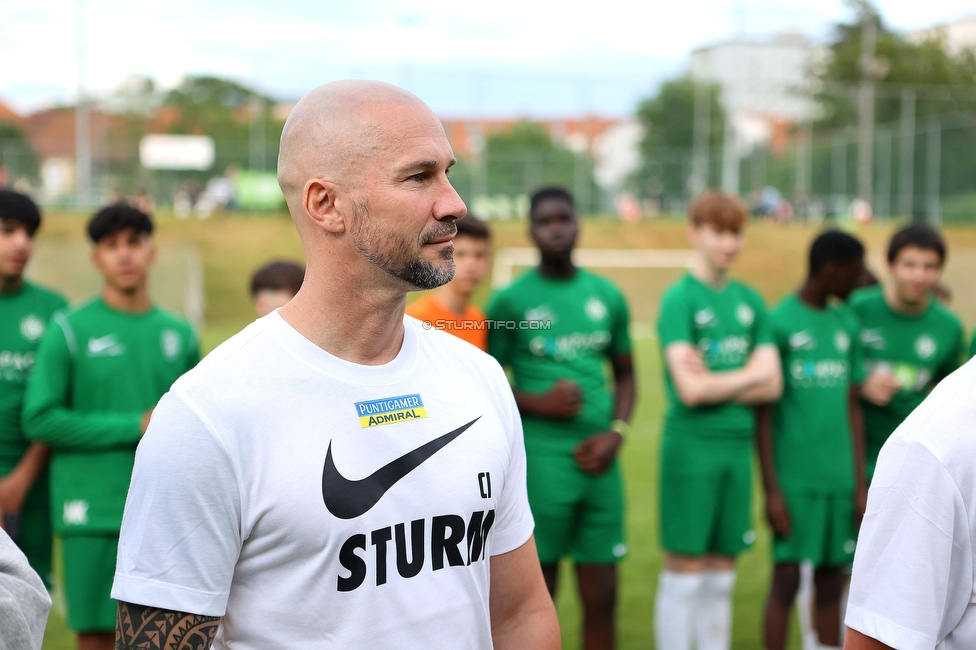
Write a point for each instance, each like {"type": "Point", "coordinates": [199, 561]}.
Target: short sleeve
{"type": "Point", "coordinates": [620, 343]}
{"type": "Point", "coordinates": [515, 521]}
{"type": "Point", "coordinates": [780, 334]}
{"type": "Point", "coordinates": [762, 331]}
{"type": "Point", "coordinates": [674, 321]}
{"type": "Point", "coordinates": [181, 531]}
{"type": "Point", "coordinates": [915, 510]}
{"type": "Point", "coordinates": [849, 321]}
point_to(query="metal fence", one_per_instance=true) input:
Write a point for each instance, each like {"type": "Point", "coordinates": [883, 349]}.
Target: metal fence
{"type": "Point", "coordinates": [927, 171]}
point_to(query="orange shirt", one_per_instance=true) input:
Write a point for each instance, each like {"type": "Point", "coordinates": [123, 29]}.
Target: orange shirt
{"type": "Point", "coordinates": [470, 327]}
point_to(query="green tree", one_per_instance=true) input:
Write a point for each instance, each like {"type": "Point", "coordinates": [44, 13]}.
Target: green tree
{"type": "Point", "coordinates": [524, 158]}
{"type": "Point", "coordinates": [226, 111]}
{"type": "Point", "coordinates": [668, 119]}
{"type": "Point", "coordinates": [944, 82]}
{"type": "Point", "coordinates": [16, 153]}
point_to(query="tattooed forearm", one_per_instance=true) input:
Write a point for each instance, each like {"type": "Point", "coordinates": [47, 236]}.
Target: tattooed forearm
{"type": "Point", "coordinates": [151, 628]}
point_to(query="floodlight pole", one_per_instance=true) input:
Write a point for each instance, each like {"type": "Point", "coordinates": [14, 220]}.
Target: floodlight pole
{"type": "Point", "coordinates": [700, 138]}
{"type": "Point", "coordinates": [83, 154]}
{"type": "Point", "coordinates": [730, 158]}
{"type": "Point", "coordinates": [865, 130]}
{"type": "Point", "coordinates": [906, 165]}
{"type": "Point", "coordinates": [256, 132]}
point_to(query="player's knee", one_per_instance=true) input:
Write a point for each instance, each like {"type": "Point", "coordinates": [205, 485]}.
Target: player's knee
{"type": "Point", "coordinates": [828, 585]}
{"type": "Point", "coordinates": [786, 581]}
{"type": "Point", "coordinates": [598, 589]}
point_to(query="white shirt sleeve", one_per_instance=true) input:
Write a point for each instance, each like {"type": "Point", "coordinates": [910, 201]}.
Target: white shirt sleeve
{"type": "Point", "coordinates": [514, 523]}
{"type": "Point", "coordinates": [181, 531]}
{"type": "Point", "coordinates": [913, 573]}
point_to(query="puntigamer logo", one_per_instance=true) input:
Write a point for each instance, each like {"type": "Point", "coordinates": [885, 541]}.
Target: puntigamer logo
{"type": "Point", "coordinates": [390, 410]}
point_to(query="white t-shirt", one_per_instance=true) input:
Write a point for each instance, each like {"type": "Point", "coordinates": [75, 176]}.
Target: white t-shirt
{"type": "Point", "coordinates": [245, 504]}
{"type": "Point", "coordinates": [912, 585]}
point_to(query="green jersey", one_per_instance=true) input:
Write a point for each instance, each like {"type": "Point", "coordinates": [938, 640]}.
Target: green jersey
{"type": "Point", "coordinates": [919, 350]}
{"type": "Point", "coordinates": [812, 444]}
{"type": "Point", "coordinates": [725, 325]}
{"type": "Point", "coordinates": [97, 372]}
{"type": "Point", "coordinates": [545, 330]}
{"type": "Point", "coordinates": [23, 316]}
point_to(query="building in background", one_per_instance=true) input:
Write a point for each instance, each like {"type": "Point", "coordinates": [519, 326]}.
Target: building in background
{"type": "Point", "coordinates": [955, 36]}
{"type": "Point", "coordinates": [764, 85]}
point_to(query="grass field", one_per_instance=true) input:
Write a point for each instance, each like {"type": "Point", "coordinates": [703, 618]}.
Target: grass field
{"type": "Point", "coordinates": [774, 262]}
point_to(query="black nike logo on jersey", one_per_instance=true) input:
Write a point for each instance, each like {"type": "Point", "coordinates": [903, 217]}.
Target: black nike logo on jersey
{"type": "Point", "coordinates": [349, 499]}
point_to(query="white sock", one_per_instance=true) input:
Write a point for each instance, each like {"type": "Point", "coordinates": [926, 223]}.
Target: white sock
{"type": "Point", "coordinates": [804, 607]}
{"type": "Point", "coordinates": [821, 646]}
{"type": "Point", "coordinates": [678, 596]}
{"type": "Point", "coordinates": [714, 617]}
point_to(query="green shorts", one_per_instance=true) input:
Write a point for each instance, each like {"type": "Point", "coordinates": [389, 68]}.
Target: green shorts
{"type": "Point", "coordinates": [706, 495]}
{"type": "Point", "coordinates": [35, 539]}
{"type": "Point", "coordinates": [822, 531]}
{"type": "Point", "coordinates": [34, 533]}
{"type": "Point", "coordinates": [576, 515]}
{"type": "Point", "coordinates": [89, 568]}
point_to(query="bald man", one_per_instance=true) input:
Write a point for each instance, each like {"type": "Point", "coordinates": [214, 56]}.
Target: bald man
{"type": "Point", "coordinates": [334, 475]}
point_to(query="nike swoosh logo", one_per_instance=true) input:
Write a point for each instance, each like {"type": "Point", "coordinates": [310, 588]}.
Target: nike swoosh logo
{"type": "Point", "coordinates": [95, 346]}
{"type": "Point", "coordinates": [800, 339]}
{"type": "Point", "coordinates": [348, 499]}
{"type": "Point", "coordinates": [704, 317]}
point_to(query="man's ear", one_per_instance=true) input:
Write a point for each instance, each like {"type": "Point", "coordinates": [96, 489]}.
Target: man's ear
{"type": "Point", "coordinates": [319, 202]}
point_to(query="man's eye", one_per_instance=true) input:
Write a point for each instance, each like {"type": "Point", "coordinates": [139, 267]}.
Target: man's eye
{"type": "Point", "coordinates": [419, 177]}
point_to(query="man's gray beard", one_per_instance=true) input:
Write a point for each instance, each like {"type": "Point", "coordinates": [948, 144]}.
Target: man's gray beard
{"type": "Point", "coordinates": [424, 275]}
{"type": "Point", "coordinates": [420, 274]}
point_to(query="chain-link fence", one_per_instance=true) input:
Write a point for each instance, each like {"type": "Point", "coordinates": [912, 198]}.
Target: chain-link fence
{"type": "Point", "coordinates": [926, 171]}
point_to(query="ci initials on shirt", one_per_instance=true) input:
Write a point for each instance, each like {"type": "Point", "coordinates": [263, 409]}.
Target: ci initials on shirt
{"type": "Point", "coordinates": [484, 485]}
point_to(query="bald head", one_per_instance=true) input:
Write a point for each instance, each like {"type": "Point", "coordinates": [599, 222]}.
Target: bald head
{"type": "Point", "coordinates": [329, 135]}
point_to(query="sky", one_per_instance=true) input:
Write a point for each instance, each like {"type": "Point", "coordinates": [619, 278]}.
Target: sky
{"type": "Point", "coordinates": [504, 58]}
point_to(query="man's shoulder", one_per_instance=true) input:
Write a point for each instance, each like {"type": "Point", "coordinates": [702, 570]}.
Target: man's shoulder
{"type": "Point", "coordinates": [226, 361]}
{"type": "Point", "coordinates": [519, 293]}
{"type": "Point", "coordinates": [170, 319]}
{"type": "Point", "coordinates": [80, 314]}
{"type": "Point", "coordinates": [738, 288]}
{"type": "Point", "coordinates": [476, 313]}
{"type": "Point", "coordinates": [844, 315]}
{"type": "Point", "coordinates": [679, 289]}
{"type": "Point", "coordinates": [529, 279]}
{"type": "Point", "coordinates": [51, 299]}
{"type": "Point", "coordinates": [867, 298]}
{"type": "Point", "coordinates": [602, 283]}
{"type": "Point", "coordinates": [946, 318]}
{"type": "Point", "coordinates": [785, 308]}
